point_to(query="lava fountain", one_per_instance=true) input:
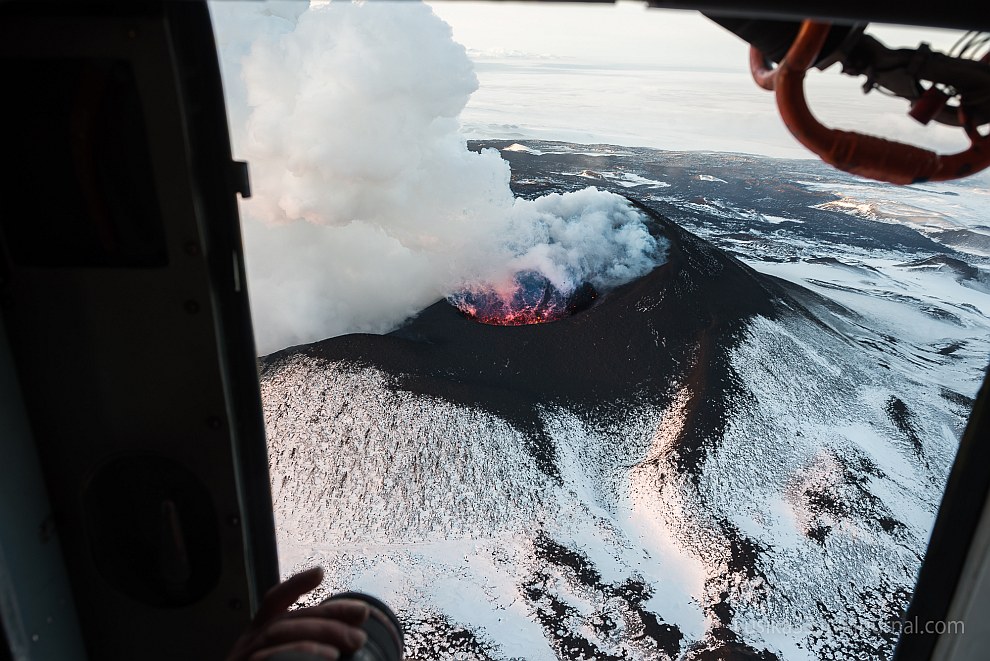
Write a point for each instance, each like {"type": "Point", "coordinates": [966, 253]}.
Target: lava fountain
{"type": "Point", "coordinates": [530, 298]}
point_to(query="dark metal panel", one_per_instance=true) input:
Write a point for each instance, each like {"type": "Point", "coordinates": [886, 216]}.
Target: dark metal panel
{"type": "Point", "coordinates": [37, 616]}
{"type": "Point", "coordinates": [215, 172]}
{"type": "Point", "coordinates": [138, 372]}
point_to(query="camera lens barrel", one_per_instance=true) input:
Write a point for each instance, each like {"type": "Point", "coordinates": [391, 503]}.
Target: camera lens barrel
{"type": "Point", "coordinates": [385, 637]}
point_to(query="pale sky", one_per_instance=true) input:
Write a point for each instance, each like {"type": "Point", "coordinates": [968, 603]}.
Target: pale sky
{"type": "Point", "coordinates": [635, 76]}
{"type": "Point", "coordinates": [624, 33]}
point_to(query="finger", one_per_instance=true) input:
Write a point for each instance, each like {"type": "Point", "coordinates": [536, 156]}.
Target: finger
{"type": "Point", "coordinates": [346, 610]}
{"type": "Point", "coordinates": [279, 598]}
{"type": "Point", "coordinates": [305, 647]}
{"type": "Point", "coordinates": [317, 630]}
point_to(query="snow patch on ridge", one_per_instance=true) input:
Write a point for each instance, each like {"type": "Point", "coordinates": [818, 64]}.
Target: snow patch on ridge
{"type": "Point", "coordinates": [819, 474]}
{"type": "Point", "coordinates": [518, 147]}
{"type": "Point", "coordinates": [438, 509]}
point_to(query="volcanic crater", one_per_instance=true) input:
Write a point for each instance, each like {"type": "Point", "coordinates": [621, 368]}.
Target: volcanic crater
{"type": "Point", "coordinates": [677, 324]}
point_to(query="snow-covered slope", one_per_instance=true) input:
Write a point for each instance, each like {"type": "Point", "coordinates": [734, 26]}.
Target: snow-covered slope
{"type": "Point", "coordinates": [764, 488]}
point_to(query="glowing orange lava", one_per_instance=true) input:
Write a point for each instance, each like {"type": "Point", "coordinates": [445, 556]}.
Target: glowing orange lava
{"type": "Point", "coordinates": [532, 300]}
{"type": "Point", "coordinates": [508, 317]}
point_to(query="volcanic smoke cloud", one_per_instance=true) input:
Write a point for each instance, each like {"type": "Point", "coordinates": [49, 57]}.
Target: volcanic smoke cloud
{"type": "Point", "coordinates": [367, 204]}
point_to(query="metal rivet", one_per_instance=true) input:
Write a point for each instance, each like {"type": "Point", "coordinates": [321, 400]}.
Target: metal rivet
{"type": "Point", "coordinates": [46, 530]}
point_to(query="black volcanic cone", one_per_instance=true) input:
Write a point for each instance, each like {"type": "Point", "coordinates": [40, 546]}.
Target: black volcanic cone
{"type": "Point", "coordinates": [676, 325]}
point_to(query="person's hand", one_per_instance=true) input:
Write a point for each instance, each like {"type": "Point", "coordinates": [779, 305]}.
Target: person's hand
{"type": "Point", "coordinates": [325, 632]}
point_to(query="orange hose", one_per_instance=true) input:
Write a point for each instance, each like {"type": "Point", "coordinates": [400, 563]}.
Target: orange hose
{"type": "Point", "coordinates": [857, 153]}
{"type": "Point", "coordinates": [763, 74]}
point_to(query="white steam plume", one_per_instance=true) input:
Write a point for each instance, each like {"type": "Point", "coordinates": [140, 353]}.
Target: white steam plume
{"type": "Point", "coordinates": [367, 204]}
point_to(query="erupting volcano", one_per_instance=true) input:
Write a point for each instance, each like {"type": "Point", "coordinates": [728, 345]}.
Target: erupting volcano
{"type": "Point", "coordinates": [530, 298]}
{"type": "Point", "coordinates": [677, 461]}
{"type": "Point", "coordinates": [703, 459]}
